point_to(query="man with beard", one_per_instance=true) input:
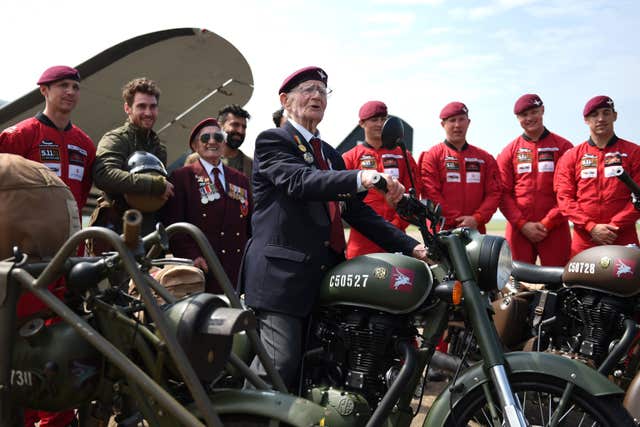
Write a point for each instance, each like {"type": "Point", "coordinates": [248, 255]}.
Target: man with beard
{"type": "Point", "coordinates": [233, 120]}
{"type": "Point", "coordinates": [111, 173]}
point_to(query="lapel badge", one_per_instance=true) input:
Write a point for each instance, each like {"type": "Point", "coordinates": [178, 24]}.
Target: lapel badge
{"type": "Point", "coordinates": [308, 157]}
{"type": "Point", "coordinates": [605, 262]}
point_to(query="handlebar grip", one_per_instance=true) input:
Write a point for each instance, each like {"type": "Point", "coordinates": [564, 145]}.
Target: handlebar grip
{"type": "Point", "coordinates": [131, 226]}
{"type": "Point", "coordinates": [380, 183]}
{"type": "Point", "coordinates": [628, 181]}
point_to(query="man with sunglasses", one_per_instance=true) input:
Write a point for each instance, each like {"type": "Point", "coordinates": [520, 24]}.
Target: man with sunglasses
{"type": "Point", "coordinates": [302, 192]}
{"type": "Point", "coordinates": [110, 171]}
{"type": "Point", "coordinates": [371, 155]}
{"type": "Point", "coordinates": [213, 197]}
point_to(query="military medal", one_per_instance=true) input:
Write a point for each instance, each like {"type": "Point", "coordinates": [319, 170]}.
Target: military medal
{"type": "Point", "coordinates": [203, 196]}
{"type": "Point", "coordinates": [211, 195]}
{"type": "Point", "coordinates": [301, 146]}
{"type": "Point", "coordinates": [308, 157]}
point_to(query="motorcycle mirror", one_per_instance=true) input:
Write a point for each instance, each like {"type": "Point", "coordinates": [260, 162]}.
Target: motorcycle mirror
{"type": "Point", "coordinates": [392, 132]}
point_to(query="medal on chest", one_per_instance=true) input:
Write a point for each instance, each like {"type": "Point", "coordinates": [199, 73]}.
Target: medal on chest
{"type": "Point", "coordinates": [306, 155]}
{"type": "Point", "coordinates": [208, 192]}
{"type": "Point", "coordinates": [241, 195]}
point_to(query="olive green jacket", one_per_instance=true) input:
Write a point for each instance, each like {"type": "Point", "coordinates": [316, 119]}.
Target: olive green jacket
{"type": "Point", "coordinates": [110, 167]}
{"type": "Point", "coordinates": [241, 162]}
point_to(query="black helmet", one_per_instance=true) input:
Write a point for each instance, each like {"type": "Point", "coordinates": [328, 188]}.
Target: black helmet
{"type": "Point", "coordinates": [141, 162]}
{"type": "Point", "coordinates": [145, 163]}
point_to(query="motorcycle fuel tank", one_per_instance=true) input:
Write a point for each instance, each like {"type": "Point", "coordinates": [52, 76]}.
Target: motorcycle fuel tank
{"type": "Point", "coordinates": [392, 283]}
{"type": "Point", "coordinates": [613, 269]}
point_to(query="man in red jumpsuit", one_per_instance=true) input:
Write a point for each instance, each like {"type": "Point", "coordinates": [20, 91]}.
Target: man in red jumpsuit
{"type": "Point", "coordinates": [462, 178]}
{"type": "Point", "coordinates": [50, 138]}
{"type": "Point", "coordinates": [589, 194]}
{"type": "Point", "coordinates": [536, 226]}
{"type": "Point", "coordinates": [372, 155]}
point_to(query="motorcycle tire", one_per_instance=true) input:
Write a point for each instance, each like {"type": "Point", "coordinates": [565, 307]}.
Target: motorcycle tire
{"type": "Point", "coordinates": [537, 394]}
{"type": "Point", "coordinates": [246, 420]}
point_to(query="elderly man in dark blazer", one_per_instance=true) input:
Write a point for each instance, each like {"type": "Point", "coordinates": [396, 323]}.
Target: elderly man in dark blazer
{"type": "Point", "coordinates": [213, 197]}
{"type": "Point", "coordinates": [301, 193]}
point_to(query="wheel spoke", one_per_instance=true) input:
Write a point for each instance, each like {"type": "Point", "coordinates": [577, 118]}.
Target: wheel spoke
{"type": "Point", "coordinates": [486, 417]}
{"type": "Point", "coordinates": [541, 409]}
{"type": "Point", "coordinates": [567, 413]}
{"type": "Point", "coordinates": [542, 404]}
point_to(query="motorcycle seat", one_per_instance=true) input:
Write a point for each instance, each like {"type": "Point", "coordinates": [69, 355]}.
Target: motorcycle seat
{"type": "Point", "coordinates": [532, 273]}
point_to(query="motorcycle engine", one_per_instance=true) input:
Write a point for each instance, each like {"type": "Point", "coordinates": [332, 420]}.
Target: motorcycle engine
{"type": "Point", "coordinates": [355, 351]}
{"type": "Point", "coordinates": [591, 322]}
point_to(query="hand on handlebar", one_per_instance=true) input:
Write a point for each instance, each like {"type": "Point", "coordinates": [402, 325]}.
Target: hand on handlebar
{"type": "Point", "coordinates": [420, 252]}
{"type": "Point", "coordinates": [394, 189]}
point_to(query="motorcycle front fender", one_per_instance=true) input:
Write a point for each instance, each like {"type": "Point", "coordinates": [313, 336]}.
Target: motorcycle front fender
{"type": "Point", "coordinates": [522, 362]}
{"type": "Point", "coordinates": [273, 405]}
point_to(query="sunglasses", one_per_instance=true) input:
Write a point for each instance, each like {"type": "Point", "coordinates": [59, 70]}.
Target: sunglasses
{"type": "Point", "coordinates": [217, 137]}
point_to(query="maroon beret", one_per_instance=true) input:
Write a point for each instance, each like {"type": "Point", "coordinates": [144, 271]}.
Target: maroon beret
{"type": "Point", "coordinates": [58, 72]}
{"type": "Point", "coordinates": [372, 109]}
{"type": "Point", "coordinates": [302, 75]}
{"type": "Point", "coordinates": [453, 109]}
{"type": "Point", "coordinates": [527, 102]}
{"type": "Point", "coordinates": [600, 101]}
{"type": "Point", "coordinates": [206, 122]}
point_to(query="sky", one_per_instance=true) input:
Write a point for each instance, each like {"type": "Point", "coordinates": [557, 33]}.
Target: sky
{"type": "Point", "coordinates": [415, 55]}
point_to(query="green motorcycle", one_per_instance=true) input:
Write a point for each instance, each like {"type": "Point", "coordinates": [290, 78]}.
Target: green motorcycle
{"type": "Point", "coordinates": [104, 359]}
{"type": "Point", "coordinates": [380, 316]}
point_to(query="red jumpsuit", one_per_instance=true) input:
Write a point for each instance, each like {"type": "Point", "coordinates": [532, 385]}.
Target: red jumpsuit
{"type": "Point", "coordinates": [527, 169]}
{"type": "Point", "coordinates": [465, 182]}
{"type": "Point", "coordinates": [364, 156]}
{"type": "Point", "coordinates": [589, 193]}
{"type": "Point", "coordinates": [69, 153]}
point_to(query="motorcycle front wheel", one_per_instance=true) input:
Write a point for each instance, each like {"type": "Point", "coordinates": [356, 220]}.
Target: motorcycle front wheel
{"type": "Point", "coordinates": [539, 396]}
{"type": "Point", "coordinates": [246, 420]}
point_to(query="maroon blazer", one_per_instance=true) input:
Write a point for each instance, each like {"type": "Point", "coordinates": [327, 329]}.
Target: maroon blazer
{"type": "Point", "coordinates": [226, 222]}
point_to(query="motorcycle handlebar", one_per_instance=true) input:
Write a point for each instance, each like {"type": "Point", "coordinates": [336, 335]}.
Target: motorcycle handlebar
{"type": "Point", "coordinates": [380, 183]}
{"type": "Point", "coordinates": [631, 185]}
{"type": "Point", "coordinates": [131, 225]}
{"type": "Point", "coordinates": [628, 181]}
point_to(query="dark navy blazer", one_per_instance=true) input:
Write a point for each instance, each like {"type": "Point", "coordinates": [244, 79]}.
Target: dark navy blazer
{"type": "Point", "coordinates": [289, 252]}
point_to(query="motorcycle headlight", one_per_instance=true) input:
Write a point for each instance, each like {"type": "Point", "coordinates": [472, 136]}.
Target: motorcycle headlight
{"type": "Point", "coordinates": [188, 319]}
{"type": "Point", "coordinates": [490, 258]}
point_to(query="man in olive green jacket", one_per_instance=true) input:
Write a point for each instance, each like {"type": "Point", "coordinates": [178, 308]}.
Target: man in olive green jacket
{"type": "Point", "coordinates": [111, 172]}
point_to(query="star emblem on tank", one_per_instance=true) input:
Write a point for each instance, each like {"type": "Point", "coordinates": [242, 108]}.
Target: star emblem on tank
{"type": "Point", "coordinates": [380, 273]}
{"type": "Point", "coordinates": [605, 262]}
